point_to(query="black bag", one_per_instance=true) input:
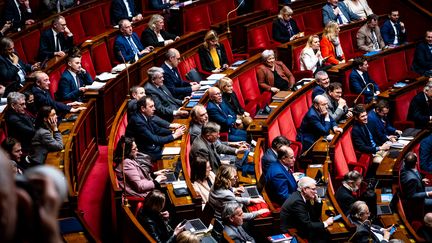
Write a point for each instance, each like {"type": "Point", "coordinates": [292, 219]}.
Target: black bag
{"type": "Point", "coordinates": [193, 75]}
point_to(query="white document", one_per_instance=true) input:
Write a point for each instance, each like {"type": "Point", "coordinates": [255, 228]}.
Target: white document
{"type": "Point", "coordinates": [120, 67]}
{"type": "Point", "coordinates": [171, 150]}
{"type": "Point", "coordinates": [216, 76]}
{"type": "Point", "coordinates": [208, 82]}
{"type": "Point", "coordinates": [105, 76]}
{"type": "Point", "coordinates": [95, 85]}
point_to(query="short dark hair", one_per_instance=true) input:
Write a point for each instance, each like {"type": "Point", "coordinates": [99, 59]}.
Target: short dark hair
{"type": "Point", "coordinates": [410, 160]}
{"type": "Point", "coordinates": [358, 61]}
{"type": "Point", "coordinates": [352, 176]}
{"type": "Point", "coordinates": [210, 127]}
{"type": "Point", "coordinates": [279, 141]}
{"type": "Point", "coordinates": [143, 102]}
{"type": "Point", "coordinates": [8, 144]}
{"type": "Point", "coordinates": [358, 109]}
{"type": "Point", "coordinates": [198, 168]}
{"type": "Point", "coordinates": [282, 153]}
{"type": "Point", "coordinates": [382, 104]}
{"type": "Point", "coordinates": [333, 86]}
{"type": "Point", "coordinates": [372, 17]}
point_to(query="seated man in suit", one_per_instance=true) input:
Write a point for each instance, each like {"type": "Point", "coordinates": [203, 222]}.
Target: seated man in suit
{"type": "Point", "coordinates": [232, 217]}
{"type": "Point", "coordinates": [55, 41]}
{"type": "Point", "coordinates": [347, 193]}
{"type": "Point", "coordinates": [160, 4]}
{"type": "Point", "coordinates": [422, 63]}
{"type": "Point", "coordinates": [412, 183]}
{"type": "Point", "coordinates": [124, 9]}
{"type": "Point", "coordinates": [149, 137]}
{"type": "Point", "coordinates": [369, 35]}
{"type": "Point", "coordinates": [222, 114]}
{"type": "Point", "coordinates": [172, 79]}
{"type": "Point", "coordinates": [57, 6]}
{"type": "Point", "coordinates": [426, 154]}
{"type": "Point", "coordinates": [208, 146]}
{"type": "Point", "coordinates": [302, 211]}
{"type": "Point", "coordinates": [426, 230]}
{"type": "Point", "coordinates": [379, 123]}
{"type": "Point", "coordinates": [363, 139]}
{"type": "Point", "coordinates": [280, 182]}
{"type": "Point", "coordinates": [420, 109]}
{"type": "Point", "coordinates": [271, 154]}
{"type": "Point", "coordinates": [393, 30]}
{"type": "Point", "coordinates": [42, 97]}
{"type": "Point", "coordinates": [338, 12]}
{"type": "Point", "coordinates": [360, 80]}
{"type": "Point", "coordinates": [74, 79]}
{"type": "Point", "coordinates": [316, 123]}
{"type": "Point", "coordinates": [323, 81]}
{"type": "Point", "coordinates": [167, 106]}
{"type": "Point", "coordinates": [199, 118]}
{"type": "Point", "coordinates": [337, 106]}
{"type": "Point", "coordinates": [127, 46]}
{"type": "Point", "coordinates": [19, 13]}
{"type": "Point", "coordinates": [13, 70]}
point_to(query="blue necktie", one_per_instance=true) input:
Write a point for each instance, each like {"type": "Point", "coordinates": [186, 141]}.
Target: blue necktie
{"type": "Point", "coordinates": [370, 137]}
{"type": "Point", "coordinates": [132, 44]}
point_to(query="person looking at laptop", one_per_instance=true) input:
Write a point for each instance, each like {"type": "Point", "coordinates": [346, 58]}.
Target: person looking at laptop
{"type": "Point", "coordinates": [232, 217]}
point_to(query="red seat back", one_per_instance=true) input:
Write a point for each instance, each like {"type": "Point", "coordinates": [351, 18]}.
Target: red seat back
{"type": "Point", "coordinates": [19, 49]}
{"type": "Point", "coordinates": [228, 50]}
{"type": "Point", "coordinates": [187, 64]}
{"type": "Point", "coordinates": [106, 12]}
{"type": "Point", "coordinates": [188, 148]}
{"type": "Point", "coordinates": [30, 44]}
{"type": "Point", "coordinates": [375, 70]}
{"type": "Point", "coordinates": [139, 29]}
{"type": "Point", "coordinates": [299, 108]}
{"type": "Point", "coordinates": [396, 67]}
{"type": "Point", "coordinates": [121, 129]}
{"type": "Point", "coordinates": [298, 18]}
{"type": "Point", "coordinates": [286, 124]}
{"type": "Point", "coordinates": [54, 77]}
{"type": "Point", "coordinates": [249, 85]}
{"type": "Point", "coordinates": [273, 131]}
{"type": "Point", "coordinates": [296, 57]}
{"type": "Point", "coordinates": [76, 27]}
{"type": "Point", "coordinates": [268, 5]}
{"type": "Point", "coordinates": [101, 58]}
{"type": "Point", "coordinates": [258, 37]}
{"type": "Point", "coordinates": [110, 42]}
{"type": "Point", "coordinates": [219, 10]}
{"type": "Point", "coordinates": [196, 18]}
{"type": "Point", "coordinates": [237, 91]}
{"type": "Point", "coordinates": [94, 21]}
{"type": "Point", "coordinates": [312, 21]}
{"type": "Point", "coordinates": [402, 103]}
{"type": "Point", "coordinates": [87, 63]}
{"type": "Point", "coordinates": [340, 166]}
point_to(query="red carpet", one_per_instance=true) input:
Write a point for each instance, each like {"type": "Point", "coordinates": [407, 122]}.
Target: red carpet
{"type": "Point", "coordinates": [93, 199]}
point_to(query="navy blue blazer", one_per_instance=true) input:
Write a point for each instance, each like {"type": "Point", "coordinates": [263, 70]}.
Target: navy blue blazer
{"type": "Point", "coordinates": [378, 127]}
{"type": "Point", "coordinates": [119, 11]}
{"type": "Point", "coordinates": [268, 158]}
{"type": "Point", "coordinates": [149, 38]}
{"type": "Point", "coordinates": [149, 137]}
{"type": "Point", "coordinates": [313, 126]}
{"type": "Point", "coordinates": [357, 85]}
{"type": "Point", "coordinates": [422, 61]}
{"type": "Point", "coordinates": [206, 59]}
{"type": "Point", "coordinates": [361, 140]}
{"type": "Point", "coordinates": [157, 4]}
{"type": "Point", "coordinates": [280, 183]}
{"type": "Point", "coordinates": [21, 127]}
{"type": "Point", "coordinates": [175, 84]}
{"type": "Point", "coordinates": [388, 33]}
{"type": "Point", "coordinates": [122, 45]}
{"type": "Point", "coordinates": [224, 116]}
{"type": "Point", "coordinates": [425, 154]}
{"type": "Point", "coordinates": [419, 111]}
{"type": "Point", "coordinates": [11, 13]}
{"type": "Point", "coordinates": [9, 73]}
{"type": "Point", "coordinates": [328, 15]}
{"type": "Point", "coordinates": [280, 33]}
{"type": "Point", "coordinates": [47, 45]}
{"type": "Point", "coordinates": [318, 90]}
{"type": "Point", "coordinates": [43, 98]}
{"type": "Point", "coordinates": [68, 90]}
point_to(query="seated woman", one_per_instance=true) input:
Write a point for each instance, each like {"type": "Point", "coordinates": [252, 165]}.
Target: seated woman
{"type": "Point", "coordinates": [330, 44]}
{"type": "Point", "coordinates": [155, 221]}
{"type": "Point", "coordinates": [284, 27]}
{"type": "Point", "coordinates": [229, 97]}
{"type": "Point", "coordinates": [212, 54]}
{"type": "Point", "coordinates": [47, 137]}
{"type": "Point", "coordinates": [135, 169]}
{"type": "Point", "coordinates": [346, 194]}
{"type": "Point", "coordinates": [223, 191]}
{"type": "Point", "coordinates": [310, 57]}
{"type": "Point", "coordinates": [273, 75]}
{"type": "Point", "coordinates": [359, 216]}
{"type": "Point", "coordinates": [155, 35]}
{"type": "Point", "coordinates": [202, 177]}
{"type": "Point", "coordinates": [359, 7]}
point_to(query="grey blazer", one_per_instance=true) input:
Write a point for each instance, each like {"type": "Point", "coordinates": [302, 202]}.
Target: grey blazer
{"type": "Point", "coordinates": [44, 142]}
{"type": "Point", "coordinates": [200, 147]}
{"type": "Point", "coordinates": [165, 102]}
{"type": "Point", "coordinates": [334, 111]}
{"type": "Point", "coordinates": [218, 198]}
{"type": "Point", "coordinates": [238, 234]}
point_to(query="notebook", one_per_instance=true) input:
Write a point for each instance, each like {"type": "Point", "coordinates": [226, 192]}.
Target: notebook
{"type": "Point", "coordinates": [250, 191]}
{"type": "Point", "coordinates": [195, 226]}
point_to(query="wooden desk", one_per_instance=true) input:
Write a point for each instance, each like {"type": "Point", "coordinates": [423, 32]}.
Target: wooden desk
{"type": "Point", "coordinates": [185, 207]}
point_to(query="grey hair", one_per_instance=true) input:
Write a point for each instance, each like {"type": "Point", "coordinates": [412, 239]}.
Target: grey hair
{"type": "Point", "coordinates": [121, 22]}
{"type": "Point", "coordinates": [229, 210]}
{"type": "Point", "coordinates": [14, 97]}
{"type": "Point", "coordinates": [285, 10]}
{"type": "Point", "coordinates": [318, 98]}
{"type": "Point", "coordinates": [153, 71]}
{"type": "Point", "coordinates": [54, 174]}
{"type": "Point", "coordinates": [210, 127]}
{"type": "Point", "coordinates": [266, 54]}
{"type": "Point", "coordinates": [195, 109]}
{"type": "Point", "coordinates": [320, 74]}
{"type": "Point", "coordinates": [154, 18]}
{"type": "Point", "coordinates": [358, 209]}
{"type": "Point", "coordinates": [171, 53]}
{"type": "Point", "coordinates": [305, 182]}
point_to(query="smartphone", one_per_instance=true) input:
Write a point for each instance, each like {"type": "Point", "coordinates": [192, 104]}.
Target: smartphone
{"type": "Point", "coordinates": [393, 229]}
{"type": "Point", "coordinates": [337, 217]}
{"type": "Point", "coordinates": [183, 222]}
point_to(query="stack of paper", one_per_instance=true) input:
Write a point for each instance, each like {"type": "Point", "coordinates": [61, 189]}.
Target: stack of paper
{"type": "Point", "coordinates": [171, 150]}
{"type": "Point", "coordinates": [216, 76]}
{"type": "Point", "coordinates": [105, 76]}
{"type": "Point", "coordinates": [95, 85]}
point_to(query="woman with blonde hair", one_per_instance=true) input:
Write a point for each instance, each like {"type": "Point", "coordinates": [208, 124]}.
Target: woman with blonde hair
{"type": "Point", "coordinates": [229, 97]}
{"type": "Point", "coordinates": [212, 54]}
{"type": "Point", "coordinates": [273, 75]}
{"type": "Point", "coordinates": [155, 35]}
{"type": "Point", "coordinates": [310, 57]}
{"type": "Point", "coordinates": [330, 44]}
{"type": "Point", "coordinates": [284, 27]}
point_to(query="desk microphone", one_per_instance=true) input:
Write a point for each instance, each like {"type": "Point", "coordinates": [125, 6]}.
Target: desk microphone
{"type": "Point", "coordinates": [230, 12]}
{"type": "Point", "coordinates": [363, 90]}
{"type": "Point", "coordinates": [127, 73]}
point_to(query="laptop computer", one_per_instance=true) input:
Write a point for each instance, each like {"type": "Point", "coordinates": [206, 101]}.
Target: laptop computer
{"type": "Point", "coordinates": [250, 191]}
{"type": "Point", "coordinates": [195, 226]}
{"type": "Point", "coordinates": [383, 209]}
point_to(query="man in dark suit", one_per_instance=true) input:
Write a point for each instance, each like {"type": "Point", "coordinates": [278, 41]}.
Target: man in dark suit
{"type": "Point", "coordinates": [422, 63]}
{"type": "Point", "coordinates": [347, 193]}
{"type": "Point", "coordinates": [337, 106]}
{"type": "Point", "coordinates": [222, 114]}
{"type": "Point", "coordinates": [302, 211]}
{"type": "Point", "coordinates": [271, 154]}
{"type": "Point", "coordinates": [393, 30]}
{"type": "Point", "coordinates": [159, 4]}
{"type": "Point", "coordinates": [280, 182]}
{"type": "Point", "coordinates": [412, 183]}
{"type": "Point", "coordinates": [167, 106]}
{"type": "Point", "coordinates": [74, 79]}
{"type": "Point", "coordinates": [426, 154]}
{"type": "Point", "coordinates": [199, 118]}
{"type": "Point", "coordinates": [369, 35]}
{"type": "Point", "coordinates": [172, 79]}
{"type": "Point", "coordinates": [55, 41]}
{"type": "Point", "coordinates": [127, 46]}
{"type": "Point", "coordinates": [316, 123]}
{"type": "Point", "coordinates": [150, 137]}
{"type": "Point", "coordinates": [323, 81]}
{"type": "Point", "coordinates": [363, 139]}
{"type": "Point", "coordinates": [121, 9]}
{"type": "Point", "coordinates": [19, 13]}
{"type": "Point", "coordinates": [378, 123]}
{"type": "Point", "coordinates": [232, 217]}
{"type": "Point", "coordinates": [359, 79]}
{"type": "Point", "coordinates": [420, 109]}
{"type": "Point", "coordinates": [338, 12]}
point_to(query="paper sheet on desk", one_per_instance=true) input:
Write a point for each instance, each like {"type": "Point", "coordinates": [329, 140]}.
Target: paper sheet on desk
{"type": "Point", "coordinates": [179, 184]}
{"type": "Point", "coordinates": [2, 107]}
{"type": "Point", "coordinates": [171, 150]}
{"type": "Point", "coordinates": [105, 76]}
{"type": "Point", "coordinates": [205, 87]}
{"type": "Point", "coordinates": [95, 85]}
{"type": "Point", "coordinates": [208, 82]}
{"type": "Point", "coordinates": [216, 76]}
{"type": "Point", "coordinates": [120, 67]}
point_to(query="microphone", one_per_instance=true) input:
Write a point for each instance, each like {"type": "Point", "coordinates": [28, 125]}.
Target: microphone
{"type": "Point", "coordinates": [127, 73]}
{"type": "Point", "coordinates": [230, 12]}
{"type": "Point", "coordinates": [363, 90]}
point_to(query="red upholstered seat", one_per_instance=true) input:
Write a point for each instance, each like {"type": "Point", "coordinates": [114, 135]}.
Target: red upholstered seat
{"type": "Point", "coordinates": [299, 108]}
{"type": "Point", "coordinates": [296, 57]}
{"type": "Point", "coordinates": [75, 25]}
{"type": "Point", "coordinates": [93, 21]}
{"type": "Point", "coordinates": [19, 49]}
{"type": "Point", "coordinates": [375, 71]}
{"type": "Point", "coordinates": [196, 18]}
{"type": "Point", "coordinates": [400, 112]}
{"type": "Point", "coordinates": [30, 45]}
{"type": "Point", "coordinates": [87, 64]}
{"type": "Point", "coordinates": [54, 77]}
{"type": "Point", "coordinates": [396, 67]}
{"type": "Point", "coordinates": [121, 129]}
{"type": "Point", "coordinates": [259, 38]}
{"type": "Point", "coordinates": [312, 21]}
{"type": "Point", "coordinates": [286, 124]}
{"type": "Point", "coordinates": [140, 28]}
{"type": "Point", "coordinates": [268, 5]}
{"type": "Point", "coordinates": [249, 86]}
{"type": "Point", "coordinates": [349, 44]}
{"type": "Point", "coordinates": [187, 64]}
{"type": "Point", "coordinates": [106, 12]}
{"type": "Point", "coordinates": [101, 58]}
{"type": "Point", "coordinates": [112, 57]}
{"type": "Point", "coordinates": [219, 10]}
{"type": "Point", "coordinates": [273, 131]}
{"type": "Point", "coordinates": [340, 167]}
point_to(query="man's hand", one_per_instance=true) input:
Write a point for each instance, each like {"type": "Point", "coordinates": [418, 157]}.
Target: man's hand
{"type": "Point", "coordinates": [196, 87]}
{"type": "Point", "coordinates": [73, 110]}
{"type": "Point", "coordinates": [14, 58]}
{"type": "Point", "coordinates": [385, 147]}
{"type": "Point", "coordinates": [179, 132]}
{"type": "Point", "coordinates": [274, 89]}
{"type": "Point", "coordinates": [338, 129]}
{"type": "Point", "coordinates": [341, 103]}
{"type": "Point", "coordinates": [329, 221]}
{"type": "Point", "coordinates": [75, 103]}
{"type": "Point", "coordinates": [83, 89]}
{"type": "Point", "coordinates": [59, 53]}
{"type": "Point", "coordinates": [29, 22]}
{"type": "Point", "coordinates": [175, 125]}
{"type": "Point", "coordinates": [67, 31]}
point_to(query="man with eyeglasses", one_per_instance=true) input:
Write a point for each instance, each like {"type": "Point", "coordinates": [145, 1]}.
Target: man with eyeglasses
{"type": "Point", "coordinates": [302, 211]}
{"type": "Point", "coordinates": [55, 41]}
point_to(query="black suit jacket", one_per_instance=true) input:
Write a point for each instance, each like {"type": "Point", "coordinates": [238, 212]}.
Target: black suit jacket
{"type": "Point", "coordinates": [422, 61]}
{"type": "Point", "coordinates": [47, 44]}
{"type": "Point", "coordinates": [21, 127]}
{"type": "Point", "coordinates": [419, 111]}
{"type": "Point", "coordinates": [296, 213]}
{"type": "Point", "coordinates": [281, 33]}
{"type": "Point", "coordinates": [175, 84]}
{"type": "Point", "coordinates": [11, 13]}
{"type": "Point", "coordinates": [361, 140]}
{"type": "Point", "coordinates": [9, 73]}
{"type": "Point", "coordinates": [345, 199]}
{"type": "Point", "coordinates": [363, 233]}
{"type": "Point", "coordinates": [206, 59]}
{"type": "Point", "coordinates": [119, 11]}
{"type": "Point", "coordinates": [412, 185]}
{"type": "Point", "coordinates": [43, 98]}
{"type": "Point", "coordinates": [149, 38]}
{"type": "Point", "coordinates": [165, 102]}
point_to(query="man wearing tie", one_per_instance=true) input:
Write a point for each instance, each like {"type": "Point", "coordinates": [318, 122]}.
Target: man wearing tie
{"type": "Point", "coordinates": [19, 13]}
{"type": "Point", "coordinates": [232, 216]}
{"type": "Point", "coordinates": [55, 41]}
{"type": "Point", "coordinates": [422, 63]}
{"type": "Point", "coordinates": [338, 12]}
{"type": "Point", "coordinates": [359, 78]}
{"type": "Point", "coordinates": [149, 137]}
{"type": "Point", "coordinates": [172, 79]}
{"type": "Point", "coordinates": [420, 109]}
{"type": "Point", "coordinates": [124, 9]}
{"type": "Point", "coordinates": [393, 30]}
{"type": "Point", "coordinates": [369, 35]}
{"type": "Point", "coordinates": [127, 46]}
{"type": "Point", "coordinates": [72, 83]}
